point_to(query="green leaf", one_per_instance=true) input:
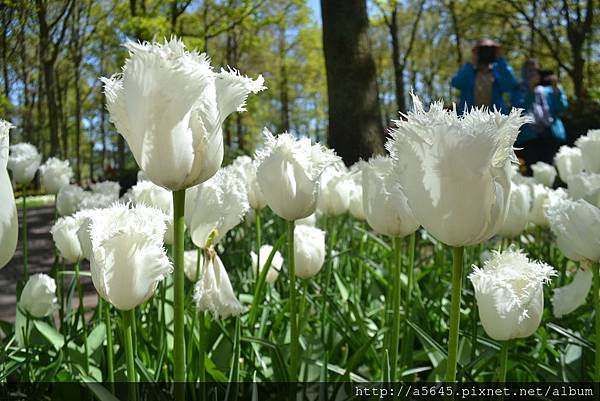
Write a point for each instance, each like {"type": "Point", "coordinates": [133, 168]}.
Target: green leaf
{"type": "Point", "coordinates": [96, 338]}
{"type": "Point", "coordinates": [49, 333]}
{"type": "Point", "coordinates": [435, 351]}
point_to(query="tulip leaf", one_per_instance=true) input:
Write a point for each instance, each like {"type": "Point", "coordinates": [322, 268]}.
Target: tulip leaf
{"type": "Point", "coordinates": [101, 392]}
{"type": "Point", "coordinates": [434, 350]}
{"type": "Point", "coordinates": [96, 338]}
{"type": "Point", "coordinates": [341, 286]}
{"type": "Point", "coordinates": [570, 335]}
{"type": "Point", "coordinates": [49, 333]}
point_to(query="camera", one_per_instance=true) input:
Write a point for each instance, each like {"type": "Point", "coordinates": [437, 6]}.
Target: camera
{"type": "Point", "coordinates": [486, 54]}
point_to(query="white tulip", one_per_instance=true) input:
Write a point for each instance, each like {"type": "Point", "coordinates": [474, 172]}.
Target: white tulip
{"type": "Point", "coordinates": [110, 188]}
{"type": "Point", "coordinates": [274, 268]}
{"type": "Point", "coordinates": [247, 168]}
{"type": "Point", "coordinates": [288, 172]}
{"type": "Point", "coordinates": [455, 170]}
{"type": "Point", "coordinates": [68, 199]}
{"type": "Point", "coordinates": [9, 225]}
{"type": "Point", "coordinates": [517, 217]}
{"type": "Point", "coordinates": [309, 250]}
{"type": "Point", "coordinates": [544, 173]}
{"type": "Point", "coordinates": [356, 207]}
{"type": "Point", "coordinates": [576, 225]}
{"type": "Point", "coordinates": [568, 162]}
{"type": "Point", "coordinates": [590, 150]}
{"type": "Point", "coordinates": [191, 267]}
{"type": "Point", "coordinates": [218, 204]}
{"type": "Point", "coordinates": [336, 186]}
{"type": "Point", "coordinates": [571, 296]}
{"type": "Point", "coordinates": [543, 198]}
{"type": "Point", "coordinates": [150, 194]}
{"type": "Point", "coordinates": [96, 200]}
{"type": "Point", "coordinates": [308, 221]}
{"type": "Point", "coordinates": [510, 294]}
{"type": "Point", "coordinates": [24, 161]}
{"type": "Point", "coordinates": [170, 106]}
{"type": "Point", "coordinates": [38, 297]}
{"type": "Point", "coordinates": [385, 204]}
{"type": "Point", "coordinates": [55, 174]}
{"type": "Point", "coordinates": [585, 186]}
{"type": "Point", "coordinates": [213, 292]}
{"type": "Point", "coordinates": [125, 248]}
{"type": "Point", "coordinates": [64, 234]}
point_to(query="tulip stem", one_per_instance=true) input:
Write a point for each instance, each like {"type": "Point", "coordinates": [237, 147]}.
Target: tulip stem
{"type": "Point", "coordinates": [109, 348]}
{"type": "Point", "coordinates": [457, 266]}
{"type": "Point", "coordinates": [595, 268]}
{"type": "Point", "coordinates": [407, 339]}
{"type": "Point", "coordinates": [24, 234]}
{"type": "Point", "coordinates": [396, 300]}
{"type": "Point", "coordinates": [503, 361]}
{"type": "Point", "coordinates": [258, 243]}
{"type": "Point", "coordinates": [81, 314]}
{"type": "Point", "coordinates": [127, 336]}
{"type": "Point", "coordinates": [179, 301]}
{"type": "Point", "coordinates": [293, 320]}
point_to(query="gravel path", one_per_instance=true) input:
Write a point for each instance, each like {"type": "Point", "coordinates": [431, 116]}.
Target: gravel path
{"type": "Point", "coordinates": [41, 259]}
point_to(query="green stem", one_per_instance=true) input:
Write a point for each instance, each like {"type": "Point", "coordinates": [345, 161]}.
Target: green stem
{"type": "Point", "coordinates": [407, 339]}
{"type": "Point", "coordinates": [396, 300]}
{"type": "Point", "coordinates": [329, 267]}
{"type": "Point", "coordinates": [457, 266]}
{"type": "Point", "coordinates": [503, 361]}
{"type": "Point", "coordinates": [258, 227]}
{"type": "Point", "coordinates": [109, 348]}
{"type": "Point", "coordinates": [24, 235]}
{"type": "Point", "coordinates": [179, 301]}
{"type": "Point", "coordinates": [127, 336]}
{"type": "Point", "coordinates": [292, 304]}
{"type": "Point", "coordinates": [595, 268]}
{"type": "Point", "coordinates": [81, 315]}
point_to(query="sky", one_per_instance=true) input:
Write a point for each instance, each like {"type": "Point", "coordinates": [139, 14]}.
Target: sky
{"type": "Point", "coordinates": [316, 7]}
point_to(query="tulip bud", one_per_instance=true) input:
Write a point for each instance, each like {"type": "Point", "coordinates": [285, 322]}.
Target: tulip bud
{"type": "Point", "coordinates": [510, 294]}
{"type": "Point", "coordinates": [274, 268]}
{"type": "Point", "coordinates": [170, 106]}
{"type": "Point", "coordinates": [335, 188]}
{"type": "Point", "coordinates": [191, 267]}
{"type": "Point", "coordinates": [64, 234]}
{"type": "Point", "coordinates": [356, 207]}
{"type": "Point", "coordinates": [68, 199]}
{"type": "Point", "coordinates": [216, 205]}
{"type": "Point", "coordinates": [308, 221]}
{"type": "Point", "coordinates": [385, 205]}
{"type": "Point", "coordinates": [24, 161]}
{"type": "Point", "coordinates": [110, 188]}
{"type": "Point", "coordinates": [55, 174]}
{"type": "Point", "coordinates": [247, 169]}
{"type": "Point", "coordinates": [288, 171]}
{"type": "Point", "coordinates": [585, 186]}
{"type": "Point", "coordinates": [517, 217]}
{"type": "Point", "coordinates": [542, 198]}
{"type": "Point", "coordinates": [455, 170]}
{"type": "Point", "coordinates": [544, 173]}
{"type": "Point", "coordinates": [590, 150]}
{"type": "Point", "coordinates": [309, 250]}
{"type": "Point", "coordinates": [9, 225]}
{"type": "Point", "coordinates": [213, 292]}
{"type": "Point", "coordinates": [568, 162]}
{"type": "Point", "coordinates": [150, 194]}
{"type": "Point", "coordinates": [38, 297]}
{"type": "Point", "coordinates": [125, 247]}
{"type": "Point", "coordinates": [571, 296]}
{"type": "Point", "coordinates": [576, 225]}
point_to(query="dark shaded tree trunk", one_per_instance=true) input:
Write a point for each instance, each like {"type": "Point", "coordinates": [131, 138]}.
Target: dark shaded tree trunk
{"type": "Point", "coordinates": [355, 127]}
{"type": "Point", "coordinates": [284, 98]}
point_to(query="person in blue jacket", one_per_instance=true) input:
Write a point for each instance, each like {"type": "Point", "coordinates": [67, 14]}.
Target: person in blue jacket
{"type": "Point", "coordinates": [484, 81]}
{"type": "Point", "coordinates": [542, 98]}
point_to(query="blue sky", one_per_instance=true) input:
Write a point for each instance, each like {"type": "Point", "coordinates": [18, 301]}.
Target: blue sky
{"type": "Point", "coordinates": [316, 6]}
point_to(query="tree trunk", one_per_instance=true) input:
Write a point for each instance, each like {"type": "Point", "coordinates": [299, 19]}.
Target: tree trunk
{"type": "Point", "coordinates": [47, 65]}
{"type": "Point", "coordinates": [283, 83]}
{"type": "Point", "coordinates": [457, 36]}
{"type": "Point", "coordinates": [355, 127]}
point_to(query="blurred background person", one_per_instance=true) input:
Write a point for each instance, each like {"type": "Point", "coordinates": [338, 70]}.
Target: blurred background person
{"type": "Point", "coordinates": [540, 95]}
{"type": "Point", "coordinates": [484, 81]}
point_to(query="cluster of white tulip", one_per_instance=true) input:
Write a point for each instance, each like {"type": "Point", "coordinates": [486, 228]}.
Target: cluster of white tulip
{"type": "Point", "coordinates": [453, 175]}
